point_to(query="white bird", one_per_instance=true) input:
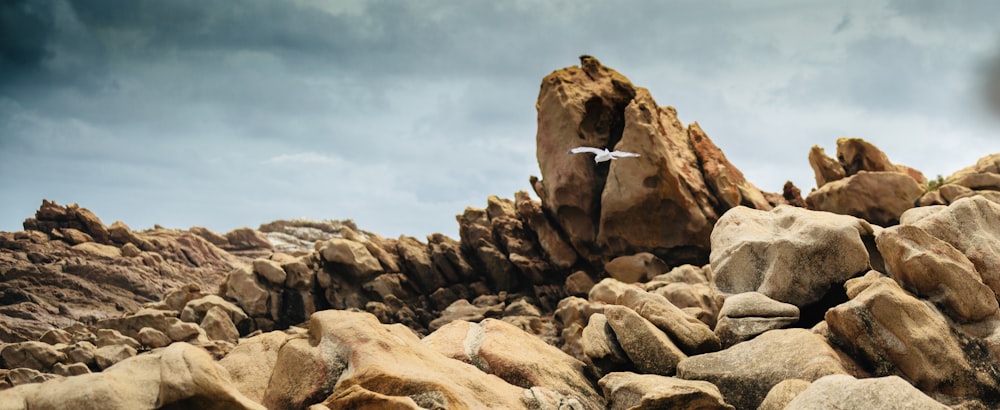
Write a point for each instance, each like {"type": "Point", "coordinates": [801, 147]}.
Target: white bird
{"type": "Point", "coordinates": [603, 154]}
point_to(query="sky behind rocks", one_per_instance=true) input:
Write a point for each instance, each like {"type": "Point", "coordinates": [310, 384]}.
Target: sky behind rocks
{"type": "Point", "coordinates": [399, 114]}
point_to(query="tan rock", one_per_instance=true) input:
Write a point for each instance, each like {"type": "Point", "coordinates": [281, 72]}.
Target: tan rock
{"type": "Point", "coordinates": [626, 390]}
{"type": "Point", "coordinates": [635, 268]}
{"type": "Point", "coordinates": [937, 271]}
{"type": "Point", "coordinates": [789, 254]}
{"type": "Point", "coordinates": [783, 393]}
{"type": "Point", "coordinates": [746, 372]}
{"type": "Point", "coordinates": [111, 337]}
{"type": "Point", "coordinates": [579, 283]}
{"type": "Point", "coordinates": [56, 336]}
{"type": "Point", "coordinates": [99, 250]}
{"type": "Point", "coordinates": [857, 155]}
{"type": "Point", "coordinates": [32, 355]}
{"type": "Point", "coordinates": [74, 236]}
{"type": "Point", "coordinates": [971, 225]}
{"type": "Point", "coordinates": [464, 311]}
{"type": "Point", "coordinates": [649, 349]}
{"type": "Point", "coordinates": [179, 375]}
{"type": "Point", "coordinates": [608, 290]}
{"type": "Point", "coordinates": [298, 275]}
{"type": "Point", "coordinates": [252, 361]}
{"type": "Point", "coordinates": [219, 326]}
{"type": "Point", "coordinates": [877, 197]}
{"type": "Point", "coordinates": [196, 309]}
{"type": "Point", "coordinates": [515, 356]}
{"type": "Point", "coordinates": [825, 168]}
{"type": "Point", "coordinates": [353, 256]}
{"type": "Point", "coordinates": [246, 239]}
{"type": "Point", "coordinates": [600, 347]}
{"type": "Point", "coordinates": [269, 270]}
{"type": "Point", "coordinates": [250, 295]}
{"type": "Point", "coordinates": [66, 370]}
{"type": "Point", "coordinates": [383, 360]}
{"type": "Point", "coordinates": [153, 338]}
{"type": "Point", "coordinates": [845, 392]}
{"type": "Point", "coordinates": [106, 356]}
{"type": "Point", "coordinates": [899, 334]}
{"type": "Point", "coordinates": [416, 261]}
{"type": "Point", "coordinates": [80, 352]}
{"type": "Point", "coordinates": [689, 333]}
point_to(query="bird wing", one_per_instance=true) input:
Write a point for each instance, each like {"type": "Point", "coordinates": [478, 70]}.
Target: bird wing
{"type": "Point", "coordinates": [623, 154]}
{"type": "Point", "coordinates": [591, 150]}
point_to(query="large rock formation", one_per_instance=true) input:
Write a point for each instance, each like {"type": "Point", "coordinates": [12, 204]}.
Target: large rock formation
{"type": "Point", "coordinates": [778, 311]}
{"type": "Point", "coordinates": [665, 201]}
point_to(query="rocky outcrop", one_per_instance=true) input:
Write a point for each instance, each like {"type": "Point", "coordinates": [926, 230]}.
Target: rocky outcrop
{"type": "Point", "coordinates": [320, 314]}
{"type": "Point", "coordinates": [788, 254]}
{"type": "Point", "coordinates": [862, 182]}
{"type": "Point", "coordinates": [664, 202]}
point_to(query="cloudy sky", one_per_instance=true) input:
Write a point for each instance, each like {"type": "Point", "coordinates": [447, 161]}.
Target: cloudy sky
{"type": "Point", "coordinates": [399, 114]}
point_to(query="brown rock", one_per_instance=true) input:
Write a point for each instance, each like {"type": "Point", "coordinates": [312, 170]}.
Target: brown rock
{"type": "Point", "coordinates": [251, 363]}
{"type": "Point", "coordinates": [826, 169]}
{"type": "Point", "coordinates": [153, 338]}
{"type": "Point", "coordinates": [351, 256]}
{"type": "Point", "coordinates": [745, 315]}
{"type": "Point", "coordinates": [250, 295]}
{"type": "Point", "coordinates": [219, 326]}
{"type": "Point", "coordinates": [856, 155]}
{"type": "Point", "coordinates": [724, 180]}
{"type": "Point", "coordinates": [242, 239]}
{"type": "Point", "coordinates": [626, 390]}
{"type": "Point", "coordinates": [878, 197]}
{"type": "Point", "coordinates": [579, 283]}
{"type": "Point", "coordinates": [269, 270]}
{"type": "Point", "coordinates": [555, 247]}
{"type": "Point", "coordinates": [74, 236]}
{"type": "Point", "coordinates": [98, 250]}
{"type": "Point", "coordinates": [689, 333]}
{"type": "Point", "coordinates": [416, 261]}
{"type": "Point", "coordinates": [635, 268]}
{"type": "Point", "coordinates": [106, 356]}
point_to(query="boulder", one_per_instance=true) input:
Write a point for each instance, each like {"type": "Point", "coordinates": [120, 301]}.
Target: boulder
{"type": "Point", "coordinates": [298, 275]}
{"type": "Point", "coordinates": [877, 197]}
{"type": "Point", "coordinates": [972, 226]}
{"type": "Point", "coordinates": [900, 335]}
{"type": "Point", "coordinates": [178, 376]}
{"type": "Point", "coordinates": [745, 315]}
{"type": "Point", "coordinates": [635, 268]}
{"type": "Point", "coordinates": [856, 155]}
{"type": "Point", "coordinates": [251, 363]}
{"type": "Point", "coordinates": [269, 270]}
{"type": "Point", "coordinates": [746, 372]}
{"type": "Point", "coordinates": [196, 310]}
{"type": "Point", "coordinates": [608, 290]}
{"type": "Point", "coordinates": [250, 295]}
{"type": "Point", "coordinates": [689, 333]}
{"type": "Point", "coordinates": [556, 249]}
{"type": "Point", "coordinates": [350, 360]}
{"type": "Point", "coordinates": [463, 310]}
{"type": "Point", "coordinates": [515, 356]}
{"type": "Point", "coordinates": [112, 337]}
{"type": "Point", "coordinates": [106, 356]}
{"type": "Point", "coordinates": [218, 325]}
{"type": "Point", "coordinates": [935, 270]}
{"type": "Point", "coordinates": [783, 393]}
{"type": "Point", "coordinates": [626, 390]}
{"type": "Point", "coordinates": [153, 338]}
{"type": "Point", "coordinates": [649, 349]}
{"type": "Point", "coordinates": [845, 392]}
{"type": "Point", "coordinates": [600, 347]}
{"type": "Point", "coordinates": [351, 256]}
{"type": "Point", "coordinates": [245, 239]}
{"type": "Point", "coordinates": [66, 370]}
{"type": "Point", "coordinates": [416, 261]}
{"type": "Point", "coordinates": [789, 254]}
{"type": "Point", "coordinates": [31, 355]}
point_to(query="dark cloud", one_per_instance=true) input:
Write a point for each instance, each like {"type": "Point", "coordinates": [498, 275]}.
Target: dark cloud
{"type": "Point", "coordinates": [25, 29]}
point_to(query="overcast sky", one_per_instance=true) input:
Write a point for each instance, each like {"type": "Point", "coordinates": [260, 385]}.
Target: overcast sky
{"type": "Point", "coordinates": [399, 114]}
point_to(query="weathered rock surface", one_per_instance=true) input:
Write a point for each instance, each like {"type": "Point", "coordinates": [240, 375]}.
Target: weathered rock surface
{"type": "Point", "coordinates": [649, 349]}
{"type": "Point", "coordinates": [877, 197]}
{"type": "Point", "coordinates": [900, 335]}
{"type": "Point", "coordinates": [746, 372]}
{"type": "Point", "coordinates": [180, 375]}
{"type": "Point", "coordinates": [845, 392]}
{"type": "Point", "coordinates": [745, 315]}
{"type": "Point", "coordinates": [626, 390]}
{"type": "Point", "coordinates": [788, 254]}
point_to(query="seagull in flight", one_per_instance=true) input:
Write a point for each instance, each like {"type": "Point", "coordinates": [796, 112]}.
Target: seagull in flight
{"type": "Point", "coordinates": [603, 154]}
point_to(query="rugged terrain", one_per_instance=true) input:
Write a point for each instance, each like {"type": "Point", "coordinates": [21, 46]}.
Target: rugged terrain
{"type": "Point", "coordinates": [663, 281]}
